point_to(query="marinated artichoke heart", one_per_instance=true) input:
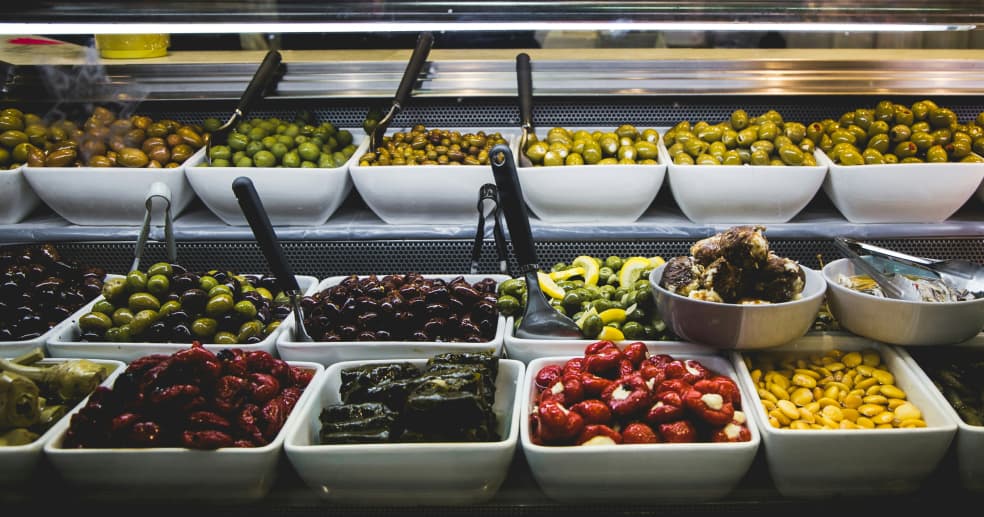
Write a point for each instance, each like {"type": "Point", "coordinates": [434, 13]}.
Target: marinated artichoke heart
{"type": "Point", "coordinates": [735, 266]}
{"type": "Point", "coordinates": [931, 289]}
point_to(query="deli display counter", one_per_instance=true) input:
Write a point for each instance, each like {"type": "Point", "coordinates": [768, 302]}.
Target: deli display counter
{"type": "Point", "coordinates": [421, 220]}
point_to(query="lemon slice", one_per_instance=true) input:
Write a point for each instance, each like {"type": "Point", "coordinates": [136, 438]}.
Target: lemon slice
{"type": "Point", "coordinates": [614, 314]}
{"type": "Point", "coordinates": [591, 268]}
{"type": "Point", "coordinates": [631, 271]}
{"type": "Point", "coordinates": [567, 273]}
{"type": "Point", "coordinates": [610, 334]}
{"type": "Point", "coordinates": [655, 262]}
{"type": "Point", "coordinates": [584, 316]}
{"type": "Point", "coordinates": [549, 287]}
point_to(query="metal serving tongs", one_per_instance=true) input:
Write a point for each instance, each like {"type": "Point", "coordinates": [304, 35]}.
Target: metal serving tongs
{"type": "Point", "coordinates": [894, 286]}
{"type": "Point", "coordinates": [417, 59]}
{"type": "Point", "coordinates": [259, 222]}
{"type": "Point", "coordinates": [524, 86]}
{"type": "Point", "coordinates": [256, 89]}
{"type": "Point", "coordinates": [958, 274]}
{"type": "Point", "coordinates": [158, 191]}
{"type": "Point", "coordinates": [488, 194]}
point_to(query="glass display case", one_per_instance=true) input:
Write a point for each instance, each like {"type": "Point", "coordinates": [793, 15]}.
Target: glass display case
{"type": "Point", "coordinates": [594, 66]}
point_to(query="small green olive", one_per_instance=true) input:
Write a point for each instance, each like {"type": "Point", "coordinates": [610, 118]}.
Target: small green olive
{"type": "Point", "coordinates": [143, 300]}
{"type": "Point", "coordinates": [225, 338]}
{"type": "Point", "coordinates": [219, 304]}
{"type": "Point", "coordinates": [142, 320]}
{"type": "Point", "coordinates": [158, 285]}
{"type": "Point", "coordinates": [103, 306]}
{"type": "Point", "coordinates": [122, 316]}
{"type": "Point", "coordinates": [204, 328]}
{"type": "Point", "coordinates": [95, 321]}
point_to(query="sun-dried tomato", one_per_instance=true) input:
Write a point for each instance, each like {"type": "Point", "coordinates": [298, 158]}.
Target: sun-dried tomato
{"type": "Point", "coordinates": [593, 411]}
{"type": "Point", "coordinates": [206, 440]}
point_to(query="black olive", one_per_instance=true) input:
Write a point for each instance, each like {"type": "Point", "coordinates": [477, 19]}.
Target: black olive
{"type": "Point", "coordinates": [254, 280]}
{"type": "Point", "coordinates": [280, 312]}
{"type": "Point", "coordinates": [307, 302]}
{"type": "Point", "coordinates": [228, 322]}
{"type": "Point", "coordinates": [468, 327]}
{"type": "Point", "coordinates": [417, 305]}
{"type": "Point", "coordinates": [438, 294]}
{"type": "Point", "coordinates": [180, 333]}
{"type": "Point", "coordinates": [365, 303]}
{"type": "Point", "coordinates": [178, 317]}
{"type": "Point", "coordinates": [350, 282]}
{"type": "Point", "coordinates": [194, 300]}
{"type": "Point", "coordinates": [366, 335]}
{"type": "Point", "coordinates": [56, 313]}
{"type": "Point", "coordinates": [77, 297]}
{"type": "Point", "coordinates": [220, 276]}
{"type": "Point", "coordinates": [348, 331]}
{"type": "Point", "coordinates": [172, 297]}
{"type": "Point", "coordinates": [409, 292]}
{"type": "Point", "coordinates": [383, 335]}
{"type": "Point", "coordinates": [91, 336]}
{"type": "Point", "coordinates": [457, 306]}
{"type": "Point", "coordinates": [419, 335]}
{"type": "Point", "coordinates": [488, 328]}
{"type": "Point", "coordinates": [330, 336]}
{"type": "Point", "coordinates": [474, 339]}
{"type": "Point", "coordinates": [435, 327]}
{"type": "Point", "coordinates": [464, 292]}
{"type": "Point", "coordinates": [252, 340]}
{"type": "Point", "coordinates": [339, 294]}
{"type": "Point", "coordinates": [156, 332]}
{"type": "Point", "coordinates": [268, 282]}
{"type": "Point", "coordinates": [377, 291]}
{"type": "Point", "coordinates": [29, 335]}
{"type": "Point", "coordinates": [263, 314]}
{"type": "Point", "coordinates": [178, 269]}
{"type": "Point", "coordinates": [370, 320]}
{"type": "Point", "coordinates": [438, 310]}
{"type": "Point", "coordinates": [182, 283]}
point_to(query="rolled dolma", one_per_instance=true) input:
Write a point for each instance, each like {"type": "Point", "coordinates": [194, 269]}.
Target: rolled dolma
{"type": "Point", "coordinates": [358, 423]}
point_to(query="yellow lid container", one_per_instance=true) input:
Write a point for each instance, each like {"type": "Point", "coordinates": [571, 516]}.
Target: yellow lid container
{"type": "Point", "coordinates": [132, 46]}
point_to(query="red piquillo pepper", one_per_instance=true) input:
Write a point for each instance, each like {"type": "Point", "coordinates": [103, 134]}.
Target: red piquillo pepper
{"type": "Point", "coordinates": [192, 398]}
{"type": "Point", "coordinates": [616, 396]}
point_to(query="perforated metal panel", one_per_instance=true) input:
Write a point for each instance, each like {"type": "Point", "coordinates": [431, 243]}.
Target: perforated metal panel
{"type": "Point", "coordinates": [322, 259]}
{"type": "Point", "coordinates": [651, 111]}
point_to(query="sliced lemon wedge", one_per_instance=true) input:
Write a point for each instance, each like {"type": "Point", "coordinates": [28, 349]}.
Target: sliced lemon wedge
{"type": "Point", "coordinates": [610, 334]}
{"type": "Point", "coordinates": [591, 268]}
{"type": "Point", "coordinates": [549, 287]}
{"type": "Point", "coordinates": [655, 262]}
{"type": "Point", "coordinates": [631, 270]}
{"type": "Point", "coordinates": [567, 273]}
{"type": "Point", "coordinates": [614, 314]}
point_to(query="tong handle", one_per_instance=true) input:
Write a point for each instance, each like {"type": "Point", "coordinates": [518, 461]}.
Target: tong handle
{"type": "Point", "coordinates": [417, 59]}
{"type": "Point", "coordinates": [161, 191]}
{"type": "Point", "coordinates": [259, 222]}
{"type": "Point", "coordinates": [513, 206]}
{"type": "Point", "coordinates": [886, 253]}
{"type": "Point", "coordinates": [261, 79]}
{"type": "Point", "coordinates": [524, 79]}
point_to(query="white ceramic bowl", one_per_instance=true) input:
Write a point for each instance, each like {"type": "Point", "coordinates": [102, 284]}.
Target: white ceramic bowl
{"type": "Point", "coordinates": [900, 322]}
{"type": "Point", "coordinates": [968, 445]}
{"type": "Point", "coordinates": [735, 194]}
{"type": "Point", "coordinates": [423, 194]}
{"type": "Point", "coordinates": [852, 462]}
{"type": "Point", "coordinates": [328, 353]}
{"type": "Point", "coordinates": [526, 350]}
{"type": "Point", "coordinates": [232, 474]}
{"type": "Point", "coordinates": [734, 326]}
{"type": "Point", "coordinates": [66, 342]}
{"type": "Point", "coordinates": [291, 196]}
{"type": "Point", "coordinates": [19, 463]}
{"type": "Point", "coordinates": [17, 198]}
{"type": "Point", "coordinates": [901, 193]}
{"type": "Point", "coordinates": [405, 473]}
{"type": "Point", "coordinates": [600, 194]}
{"type": "Point", "coordinates": [108, 196]}
{"type": "Point", "coordinates": [638, 473]}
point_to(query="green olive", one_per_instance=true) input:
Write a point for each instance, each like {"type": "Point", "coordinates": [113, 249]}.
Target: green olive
{"type": "Point", "coordinates": [903, 115]}
{"type": "Point", "coordinates": [143, 300]}
{"type": "Point", "coordinates": [245, 308]}
{"type": "Point", "coordinates": [204, 328]}
{"type": "Point", "coordinates": [225, 338]}
{"type": "Point", "coordinates": [103, 306]}
{"type": "Point", "coordinates": [136, 281]}
{"type": "Point", "coordinates": [739, 119]}
{"type": "Point", "coordinates": [132, 157]}
{"type": "Point", "coordinates": [683, 159]}
{"type": "Point", "coordinates": [158, 285]}
{"type": "Point", "coordinates": [791, 155]}
{"type": "Point", "coordinates": [95, 321]}
{"type": "Point", "coordinates": [880, 142]}
{"type": "Point", "coordinates": [936, 154]}
{"type": "Point", "coordinates": [922, 139]}
{"type": "Point", "coordinates": [114, 289]}
{"type": "Point", "coordinates": [905, 150]}
{"type": "Point", "coordinates": [122, 316]}
{"type": "Point", "coordinates": [899, 133]}
{"type": "Point", "coordinates": [891, 158]}
{"type": "Point", "coordinates": [731, 157]}
{"type": "Point", "coordinates": [207, 282]}
{"type": "Point", "coordinates": [759, 157]}
{"type": "Point", "coordinates": [763, 145]}
{"type": "Point", "coordinates": [885, 110]}
{"type": "Point", "coordinates": [707, 159]}
{"type": "Point", "coordinates": [710, 134]}
{"type": "Point", "coordinates": [249, 329]}
{"type": "Point", "coordinates": [942, 117]}
{"type": "Point", "coordinates": [508, 305]}
{"type": "Point", "coordinates": [168, 307]}
{"type": "Point", "coordinates": [646, 150]}
{"type": "Point", "coordinates": [220, 289]}
{"type": "Point", "coordinates": [591, 325]}
{"type": "Point", "coordinates": [142, 320]}
{"type": "Point", "coordinates": [119, 334]}
{"type": "Point", "coordinates": [219, 304]}
{"type": "Point", "coordinates": [747, 136]}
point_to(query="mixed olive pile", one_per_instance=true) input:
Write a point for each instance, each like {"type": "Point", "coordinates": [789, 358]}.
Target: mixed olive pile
{"type": "Point", "coordinates": [103, 140]}
{"type": "Point", "coordinates": [272, 142]}
{"type": "Point", "coordinates": [896, 133]}
{"type": "Point", "coordinates": [626, 145]}
{"type": "Point", "coordinates": [767, 139]}
{"type": "Point", "coordinates": [609, 299]}
{"type": "Point", "coordinates": [167, 303]}
{"type": "Point", "coordinates": [407, 307]}
{"type": "Point", "coordinates": [422, 146]}
{"type": "Point", "coordinates": [38, 290]}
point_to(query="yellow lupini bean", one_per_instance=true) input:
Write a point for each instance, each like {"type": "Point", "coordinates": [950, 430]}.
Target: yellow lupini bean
{"type": "Point", "coordinates": [836, 390]}
{"type": "Point", "coordinates": [788, 409]}
{"type": "Point", "coordinates": [801, 397]}
{"type": "Point", "coordinates": [851, 359]}
{"type": "Point", "coordinates": [892, 392]}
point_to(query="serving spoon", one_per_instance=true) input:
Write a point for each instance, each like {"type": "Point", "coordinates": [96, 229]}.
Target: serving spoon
{"type": "Point", "coordinates": [417, 59]}
{"type": "Point", "coordinates": [957, 273]}
{"type": "Point", "coordinates": [539, 320]}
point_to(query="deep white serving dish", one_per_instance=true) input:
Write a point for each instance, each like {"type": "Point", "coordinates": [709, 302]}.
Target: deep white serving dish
{"type": "Point", "coordinates": [637, 473]}
{"type": "Point", "coordinates": [852, 462]}
{"type": "Point", "coordinates": [599, 194]}
{"type": "Point", "coordinates": [735, 194]}
{"type": "Point", "coordinates": [423, 194]}
{"type": "Point", "coordinates": [17, 198]}
{"type": "Point", "coordinates": [18, 463]}
{"type": "Point", "coordinates": [327, 353]}
{"type": "Point", "coordinates": [900, 322]}
{"type": "Point", "coordinates": [405, 473]}
{"type": "Point", "coordinates": [231, 474]}
{"type": "Point", "coordinates": [968, 446]}
{"type": "Point", "coordinates": [901, 193]}
{"type": "Point", "coordinates": [66, 341]}
{"type": "Point", "coordinates": [291, 196]}
{"type": "Point", "coordinates": [735, 326]}
{"type": "Point", "coordinates": [108, 196]}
